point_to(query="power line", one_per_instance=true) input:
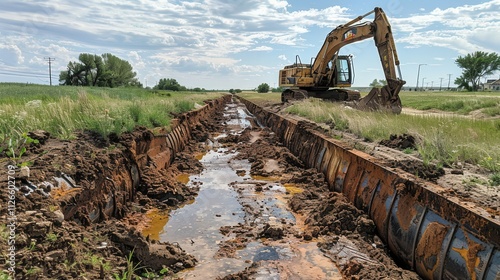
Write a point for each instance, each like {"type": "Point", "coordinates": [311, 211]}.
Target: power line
{"type": "Point", "coordinates": [50, 59]}
{"type": "Point", "coordinates": [15, 72]}
{"type": "Point", "coordinates": [24, 75]}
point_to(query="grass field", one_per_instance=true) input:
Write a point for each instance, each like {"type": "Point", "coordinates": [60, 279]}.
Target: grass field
{"type": "Point", "coordinates": [64, 110]}
{"type": "Point", "coordinates": [443, 139]}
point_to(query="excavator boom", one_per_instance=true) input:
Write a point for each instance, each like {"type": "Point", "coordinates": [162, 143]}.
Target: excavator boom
{"type": "Point", "coordinates": [330, 74]}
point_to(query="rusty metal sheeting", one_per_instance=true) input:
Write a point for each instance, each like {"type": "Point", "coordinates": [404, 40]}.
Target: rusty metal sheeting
{"type": "Point", "coordinates": [435, 235]}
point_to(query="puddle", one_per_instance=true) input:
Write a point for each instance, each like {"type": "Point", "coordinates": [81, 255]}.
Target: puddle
{"type": "Point", "coordinates": [158, 220]}
{"type": "Point", "coordinates": [183, 178]}
{"type": "Point", "coordinates": [292, 189]}
{"type": "Point", "coordinates": [266, 178]}
{"type": "Point", "coordinates": [225, 190]}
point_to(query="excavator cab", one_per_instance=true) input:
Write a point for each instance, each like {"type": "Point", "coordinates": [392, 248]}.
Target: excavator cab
{"type": "Point", "coordinates": [344, 73]}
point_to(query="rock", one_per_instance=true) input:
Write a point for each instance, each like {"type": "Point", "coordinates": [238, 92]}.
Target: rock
{"type": "Point", "coordinates": [40, 135]}
{"type": "Point", "coordinates": [24, 173]}
{"type": "Point", "coordinates": [56, 255]}
{"type": "Point", "coordinates": [58, 215]}
{"type": "Point", "coordinates": [273, 230]}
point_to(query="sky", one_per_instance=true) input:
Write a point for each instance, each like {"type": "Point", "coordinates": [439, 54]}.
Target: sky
{"type": "Point", "coordinates": [239, 44]}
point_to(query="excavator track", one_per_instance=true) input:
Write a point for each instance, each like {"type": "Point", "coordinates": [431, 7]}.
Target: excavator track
{"type": "Point", "coordinates": [336, 95]}
{"type": "Point", "coordinates": [293, 94]}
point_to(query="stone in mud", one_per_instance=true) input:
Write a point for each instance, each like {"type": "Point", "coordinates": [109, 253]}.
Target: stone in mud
{"type": "Point", "coordinates": [273, 230]}
{"type": "Point", "coordinates": [153, 255]}
{"type": "Point", "coordinates": [40, 135]}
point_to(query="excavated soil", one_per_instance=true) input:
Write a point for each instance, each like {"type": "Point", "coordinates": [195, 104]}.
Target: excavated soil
{"type": "Point", "coordinates": [48, 246]}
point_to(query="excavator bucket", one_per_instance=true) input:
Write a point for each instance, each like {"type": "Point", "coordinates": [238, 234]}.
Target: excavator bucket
{"type": "Point", "coordinates": [381, 99]}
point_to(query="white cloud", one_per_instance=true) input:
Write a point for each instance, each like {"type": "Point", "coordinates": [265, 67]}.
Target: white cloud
{"type": "Point", "coordinates": [214, 36]}
{"type": "Point", "coordinates": [463, 29]}
{"type": "Point", "coordinates": [262, 48]}
{"type": "Point", "coordinates": [15, 50]}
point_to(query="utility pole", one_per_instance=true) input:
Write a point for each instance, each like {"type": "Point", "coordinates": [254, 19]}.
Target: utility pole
{"type": "Point", "coordinates": [418, 74]}
{"type": "Point", "coordinates": [440, 84]}
{"type": "Point", "coordinates": [50, 59]}
{"type": "Point", "coordinates": [449, 79]}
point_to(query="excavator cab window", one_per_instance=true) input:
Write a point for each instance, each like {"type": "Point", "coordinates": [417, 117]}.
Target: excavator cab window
{"type": "Point", "coordinates": [344, 70]}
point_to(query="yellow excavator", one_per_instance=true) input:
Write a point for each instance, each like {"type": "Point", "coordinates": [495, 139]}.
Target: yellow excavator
{"type": "Point", "coordinates": [329, 75]}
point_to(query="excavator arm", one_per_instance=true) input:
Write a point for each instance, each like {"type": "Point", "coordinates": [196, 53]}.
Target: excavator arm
{"type": "Point", "coordinates": [324, 72]}
{"type": "Point", "coordinates": [385, 98]}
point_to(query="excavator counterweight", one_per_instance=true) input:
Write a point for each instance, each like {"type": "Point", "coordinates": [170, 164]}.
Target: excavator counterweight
{"type": "Point", "coordinates": [330, 75]}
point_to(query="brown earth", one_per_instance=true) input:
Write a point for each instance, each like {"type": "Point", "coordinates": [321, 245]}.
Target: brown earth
{"type": "Point", "coordinates": [48, 246]}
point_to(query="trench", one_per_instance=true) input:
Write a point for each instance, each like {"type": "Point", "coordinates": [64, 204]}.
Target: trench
{"type": "Point", "coordinates": [228, 197]}
{"type": "Point", "coordinates": [434, 235]}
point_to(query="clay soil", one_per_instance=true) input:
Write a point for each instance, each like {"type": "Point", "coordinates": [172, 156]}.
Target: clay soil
{"type": "Point", "coordinates": [48, 246]}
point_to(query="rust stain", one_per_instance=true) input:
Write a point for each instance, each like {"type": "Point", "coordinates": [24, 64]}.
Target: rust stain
{"type": "Point", "coordinates": [427, 252]}
{"type": "Point", "coordinates": [470, 255]}
{"type": "Point", "coordinates": [406, 212]}
{"type": "Point", "coordinates": [64, 190]}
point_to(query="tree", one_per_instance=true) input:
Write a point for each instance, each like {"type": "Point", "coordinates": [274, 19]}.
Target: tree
{"type": "Point", "coordinates": [263, 88]}
{"type": "Point", "coordinates": [169, 84]}
{"type": "Point", "coordinates": [378, 83]}
{"type": "Point", "coordinates": [474, 67]}
{"type": "Point", "coordinates": [106, 70]}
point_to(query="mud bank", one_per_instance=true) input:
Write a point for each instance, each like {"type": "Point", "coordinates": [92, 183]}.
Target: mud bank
{"type": "Point", "coordinates": [73, 203]}
{"type": "Point", "coordinates": [426, 228]}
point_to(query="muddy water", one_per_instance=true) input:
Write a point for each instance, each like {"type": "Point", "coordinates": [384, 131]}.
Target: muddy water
{"type": "Point", "coordinates": [228, 197]}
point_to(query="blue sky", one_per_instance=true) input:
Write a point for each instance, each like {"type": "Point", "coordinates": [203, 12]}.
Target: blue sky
{"type": "Point", "coordinates": [222, 44]}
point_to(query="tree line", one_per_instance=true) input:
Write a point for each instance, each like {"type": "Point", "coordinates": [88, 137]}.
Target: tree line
{"type": "Point", "coordinates": [108, 70]}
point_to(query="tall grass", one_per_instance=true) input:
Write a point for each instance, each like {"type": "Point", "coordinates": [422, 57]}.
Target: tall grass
{"type": "Point", "coordinates": [62, 111]}
{"type": "Point", "coordinates": [443, 140]}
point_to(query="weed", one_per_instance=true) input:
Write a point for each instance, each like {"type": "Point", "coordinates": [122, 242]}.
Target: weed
{"type": "Point", "coordinates": [93, 260]}
{"type": "Point", "coordinates": [4, 233]}
{"type": "Point", "coordinates": [489, 163]}
{"type": "Point", "coordinates": [69, 265]}
{"type": "Point", "coordinates": [409, 151]}
{"type": "Point", "coordinates": [16, 147]}
{"type": "Point", "coordinates": [33, 271]}
{"type": "Point", "coordinates": [4, 276]}
{"type": "Point", "coordinates": [52, 237]}
{"type": "Point", "coordinates": [32, 245]}
{"type": "Point", "coordinates": [495, 179]}
{"type": "Point", "coordinates": [131, 270]}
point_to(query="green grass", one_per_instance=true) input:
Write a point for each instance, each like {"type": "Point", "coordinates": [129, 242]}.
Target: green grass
{"type": "Point", "coordinates": [457, 102]}
{"type": "Point", "coordinates": [443, 140]}
{"type": "Point", "coordinates": [63, 110]}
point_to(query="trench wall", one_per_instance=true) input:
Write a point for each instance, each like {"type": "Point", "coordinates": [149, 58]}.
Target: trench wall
{"type": "Point", "coordinates": [118, 183]}
{"type": "Point", "coordinates": [438, 237]}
